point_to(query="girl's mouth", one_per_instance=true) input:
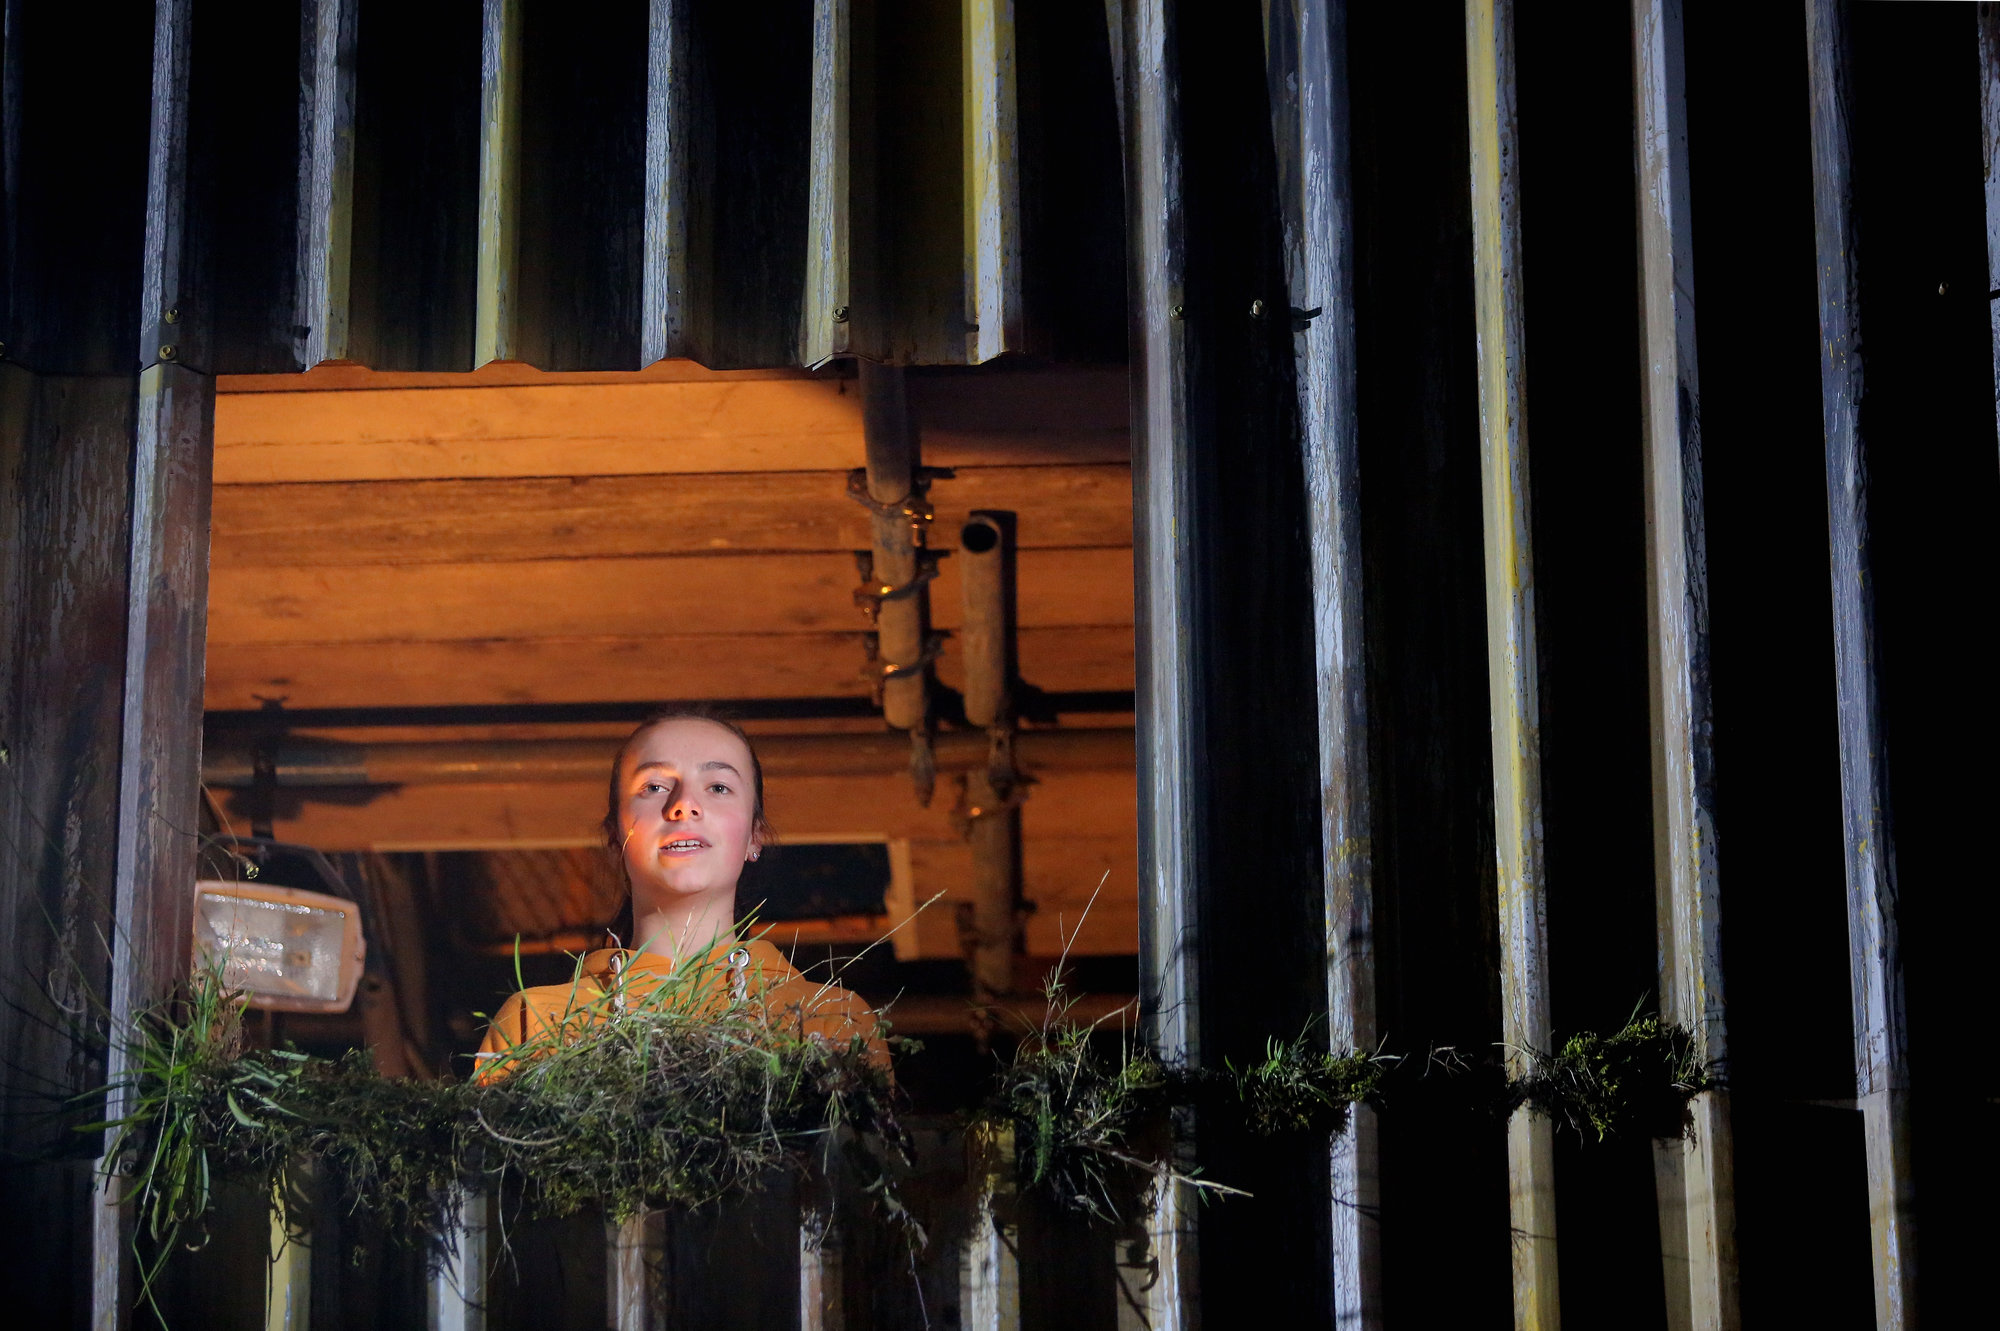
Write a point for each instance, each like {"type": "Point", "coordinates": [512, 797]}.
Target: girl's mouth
{"type": "Point", "coordinates": [687, 845]}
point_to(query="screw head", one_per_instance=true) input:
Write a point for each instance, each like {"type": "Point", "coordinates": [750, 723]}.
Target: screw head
{"type": "Point", "coordinates": [168, 351]}
{"type": "Point", "coordinates": [840, 314]}
{"type": "Point", "coordinates": [1177, 312]}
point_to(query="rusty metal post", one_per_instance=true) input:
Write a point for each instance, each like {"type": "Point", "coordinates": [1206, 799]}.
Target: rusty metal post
{"type": "Point", "coordinates": [986, 547]}
{"type": "Point", "coordinates": [892, 486]}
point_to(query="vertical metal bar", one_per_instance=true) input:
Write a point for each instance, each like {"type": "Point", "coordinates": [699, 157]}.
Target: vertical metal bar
{"type": "Point", "coordinates": [1510, 641]}
{"type": "Point", "coordinates": [495, 334]}
{"type": "Point", "coordinates": [992, 183]}
{"type": "Point", "coordinates": [1989, 108]}
{"type": "Point", "coordinates": [826, 325]}
{"type": "Point", "coordinates": [902, 624]}
{"type": "Point", "coordinates": [1306, 45]}
{"type": "Point", "coordinates": [165, 633]}
{"type": "Point", "coordinates": [288, 1285]}
{"type": "Point", "coordinates": [663, 294]}
{"type": "Point", "coordinates": [1161, 1286]}
{"type": "Point", "coordinates": [822, 1304]}
{"type": "Point", "coordinates": [1695, 1178]}
{"type": "Point", "coordinates": [989, 1271]}
{"type": "Point", "coordinates": [457, 1288]}
{"type": "Point", "coordinates": [1881, 1033]}
{"type": "Point", "coordinates": [635, 1272]}
{"type": "Point", "coordinates": [326, 180]}
{"type": "Point", "coordinates": [986, 650]}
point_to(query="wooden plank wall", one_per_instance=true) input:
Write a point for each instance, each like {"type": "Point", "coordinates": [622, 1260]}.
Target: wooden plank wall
{"type": "Point", "coordinates": [611, 500]}
{"type": "Point", "coordinates": [70, 249]}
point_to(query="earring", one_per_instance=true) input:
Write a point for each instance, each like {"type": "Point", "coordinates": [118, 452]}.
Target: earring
{"type": "Point", "coordinates": [755, 853]}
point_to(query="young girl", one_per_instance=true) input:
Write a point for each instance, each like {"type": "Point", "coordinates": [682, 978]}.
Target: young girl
{"type": "Point", "coordinates": [686, 812]}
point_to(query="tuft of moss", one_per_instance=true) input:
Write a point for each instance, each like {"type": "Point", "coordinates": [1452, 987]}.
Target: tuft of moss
{"type": "Point", "coordinates": [1093, 1122]}
{"type": "Point", "coordinates": [1636, 1080]}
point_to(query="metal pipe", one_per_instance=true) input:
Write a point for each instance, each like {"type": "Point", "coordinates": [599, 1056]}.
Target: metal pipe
{"type": "Point", "coordinates": [985, 636]}
{"type": "Point", "coordinates": [986, 546]}
{"type": "Point", "coordinates": [306, 762]}
{"type": "Point", "coordinates": [902, 617]}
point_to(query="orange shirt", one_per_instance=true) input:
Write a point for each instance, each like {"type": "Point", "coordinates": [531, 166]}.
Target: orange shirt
{"type": "Point", "coordinates": [613, 978]}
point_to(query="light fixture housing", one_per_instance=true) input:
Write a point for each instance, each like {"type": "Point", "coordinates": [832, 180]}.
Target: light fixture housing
{"type": "Point", "coordinates": [286, 949]}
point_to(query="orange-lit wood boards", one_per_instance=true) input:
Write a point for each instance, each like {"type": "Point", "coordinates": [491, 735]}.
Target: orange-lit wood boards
{"type": "Point", "coordinates": [564, 517]}
{"type": "Point", "coordinates": [614, 669]}
{"type": "Point", "coordinates": [510, 536]}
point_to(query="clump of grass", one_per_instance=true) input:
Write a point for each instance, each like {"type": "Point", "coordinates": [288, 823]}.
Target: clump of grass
{"type": "Point", "coordinates": [1094, 1122]}
{"type": "Point", "coordinates": [1637, 1080]}
{"type": "Point", "coordinates": [681, 1098]}
{"type": "Point", "coordinates": [1300, 1089]}
{"type": "Point", "coordinates": [1079, 1116]}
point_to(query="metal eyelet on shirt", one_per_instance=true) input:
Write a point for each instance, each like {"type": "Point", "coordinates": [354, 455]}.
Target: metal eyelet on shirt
{"type": "Point", "coordinates": [739, 980]}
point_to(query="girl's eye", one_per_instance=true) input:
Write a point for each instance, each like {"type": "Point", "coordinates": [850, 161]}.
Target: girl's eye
{"type": "Point", "coordinates": [717, 788]}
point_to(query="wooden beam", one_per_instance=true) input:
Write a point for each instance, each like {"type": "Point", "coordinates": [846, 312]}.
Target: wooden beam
{"type": "Point", "coordinates": [617, 669]}
{"type": "Point", "coordinates": [993, 289]}
{"type": "Point", "coordinates": [440, 817]}
{"type": "Point", "coordinates": [1881, 1031]}
{"type": "Point", "coordinates": [1695, 1177]}
{"type": "Point", "coordinates": [623, 597]}
{"type": "Point", "coordinates": [1306, 53]}
{"type": "Point", "coordinates": [731, 422]}
{"type": "Point", "coordinates": [409, 522]}
{"type": "Point", "coordinates": [496, 331]}
{"type": "Point", "coordinates": [326, 179]}
{"type": "Point", "coordinates": [306, 763]}
{"type": "Point", "coordinates": [1513, 683]}
{"type": "Point", "coordinates": [1166, 514]}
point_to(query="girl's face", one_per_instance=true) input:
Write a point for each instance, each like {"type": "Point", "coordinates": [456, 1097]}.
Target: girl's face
{"type": "Point", "coordinates": [688, 814]}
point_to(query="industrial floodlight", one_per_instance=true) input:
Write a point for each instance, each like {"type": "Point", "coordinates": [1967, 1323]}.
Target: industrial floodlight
{"type": "Point", "coordinates": [285, 948]}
